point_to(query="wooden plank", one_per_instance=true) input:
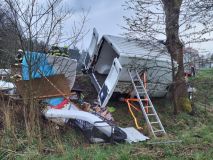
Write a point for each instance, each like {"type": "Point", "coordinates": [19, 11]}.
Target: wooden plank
{"type": "Point", "coordinates": [45, 87]}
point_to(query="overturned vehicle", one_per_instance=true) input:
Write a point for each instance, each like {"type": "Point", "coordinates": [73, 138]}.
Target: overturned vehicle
{"type": "Point", "coordinates": [151, 61]}
{"type": "Point", "coordinates": [136, 68]}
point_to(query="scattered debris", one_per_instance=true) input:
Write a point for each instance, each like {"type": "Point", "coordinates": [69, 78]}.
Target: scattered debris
{"type": "Point", "coordinates": [111, 109]}
{"type": "Point", "coordinates": [4, 73]}
{"type": "Point", "coordinates": [7, 87]}
{"type": "Point", "coordinates": [44, 87]}
{"type": "Point", "coordinates": [47, 83]}
{"type": "Point", "coordinates": [134, 135]}
{"type": "Point", "coordinates": [50, 79]}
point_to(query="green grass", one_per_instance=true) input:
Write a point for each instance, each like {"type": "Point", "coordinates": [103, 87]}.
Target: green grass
{"type": "Point", "coordinates": [205, 74]}
{"type": "Point", "coordinates": [192, 136]}
{"type": "Point", "coordinates": [203, 82]}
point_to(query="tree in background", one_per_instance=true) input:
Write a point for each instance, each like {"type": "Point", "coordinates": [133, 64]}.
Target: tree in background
{"type": "Point", "coordinates": [180, 22]}
{"type": "Point", "coordinates": [8, 39]}
{"type": "Point", "coordinates": [36, 25]}
{"type": "Point", "coordinates": [42, 22]}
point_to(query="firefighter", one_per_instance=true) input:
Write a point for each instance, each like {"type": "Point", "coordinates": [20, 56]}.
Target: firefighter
{"type": "Point", "coordinates": [65, 52]}
{"type": "Point", "coordinates": [19, 56]}
{"type": "Point", "coordinates": [192, 70]}
{"type": "Point", "coordinates": [56, 51]}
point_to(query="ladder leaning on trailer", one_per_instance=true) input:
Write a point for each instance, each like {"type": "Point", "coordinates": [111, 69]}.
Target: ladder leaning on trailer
{"type": "Point", "coordinates": [146, 106]}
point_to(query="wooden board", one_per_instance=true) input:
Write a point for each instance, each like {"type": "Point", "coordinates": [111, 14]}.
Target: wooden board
{"type": "Point", "coordinates": [52, 86]}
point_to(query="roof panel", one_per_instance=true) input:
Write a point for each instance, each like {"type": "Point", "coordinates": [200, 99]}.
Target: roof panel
{"type": "Point", "coordinates": [135, 48]}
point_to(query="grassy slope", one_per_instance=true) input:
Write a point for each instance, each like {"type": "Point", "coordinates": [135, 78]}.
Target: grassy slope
{"type": "Point", "coordinates": [193, 136]}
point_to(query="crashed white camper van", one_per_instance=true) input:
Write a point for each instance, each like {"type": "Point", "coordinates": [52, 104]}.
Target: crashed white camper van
{"type": "Point", "coordinates": [131, 55]}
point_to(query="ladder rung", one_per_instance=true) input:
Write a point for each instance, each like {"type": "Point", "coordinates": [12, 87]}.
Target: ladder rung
{"type": "Point", "coordinates": [158, 131]}
{"type": "Point", "coordinates": [147, 106]}
{"type": "Point", "coordinates": [144, 99]}
{"type": "Point", "coordinates": [154, 122]}
{"type": "Point", "coordinates": [140, 89]}
{"type": "Point", "coordinates": [139, 86]}
{"type": "Point", "coordinates": [141, 92]}
{"type": "Point", "coordinates": [150, 114]}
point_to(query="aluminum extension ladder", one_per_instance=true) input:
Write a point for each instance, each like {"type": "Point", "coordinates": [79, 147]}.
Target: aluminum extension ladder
{"type": "Point", "coordinates": [151, 117]}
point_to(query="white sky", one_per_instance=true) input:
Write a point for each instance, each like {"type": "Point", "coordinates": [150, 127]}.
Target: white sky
{"type": "Point", "coordinates": [107, 17]}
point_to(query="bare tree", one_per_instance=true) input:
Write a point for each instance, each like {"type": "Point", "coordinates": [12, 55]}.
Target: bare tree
{"type": "Point", "coordinates": [38, 25]}
{"type": "Point", "coordinates": [8, 40]}
{"type": "Point", "coordinates": [42, 21]}
{"type": "Point", "coordinates": [180, 22]}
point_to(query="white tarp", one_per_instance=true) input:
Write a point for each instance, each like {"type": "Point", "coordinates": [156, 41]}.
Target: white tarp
{"type": "Point", "coordinates": [6, 85]}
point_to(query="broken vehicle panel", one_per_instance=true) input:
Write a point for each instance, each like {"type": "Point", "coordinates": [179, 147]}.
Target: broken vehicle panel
{"type": "Point", "coordinates": [110, 83]}
{"type": "Point", "coordinates": [89, 60]}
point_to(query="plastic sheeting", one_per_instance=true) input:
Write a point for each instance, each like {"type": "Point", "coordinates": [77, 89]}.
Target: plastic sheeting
{"type": "Point", "coordinates": [37, 65]}
{"type": "Point", "coordinates": [80, 115]}
{"type": "Point", "coordinates": [6, 85]}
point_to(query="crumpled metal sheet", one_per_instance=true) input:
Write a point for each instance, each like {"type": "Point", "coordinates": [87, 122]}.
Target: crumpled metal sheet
{"type": "Point", "coordinates": [134, 135]}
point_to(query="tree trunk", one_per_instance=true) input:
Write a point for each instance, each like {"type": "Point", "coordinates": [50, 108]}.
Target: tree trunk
{"type": "Point", "coordinates": [175, 48]}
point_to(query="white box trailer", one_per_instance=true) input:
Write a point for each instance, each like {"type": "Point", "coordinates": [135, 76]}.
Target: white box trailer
{"type": "Point", "coordinates": [131, 54]}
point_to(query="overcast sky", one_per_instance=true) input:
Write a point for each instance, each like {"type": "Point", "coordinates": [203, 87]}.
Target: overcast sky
{"type": "Point", "coordinates": [107, 17]}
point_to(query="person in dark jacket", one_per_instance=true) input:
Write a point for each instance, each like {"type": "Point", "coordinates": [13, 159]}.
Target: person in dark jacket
{"type": "Point", "coordinates": [19, 56]}
{"type": "Point", "coordinates": [192, 70]}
